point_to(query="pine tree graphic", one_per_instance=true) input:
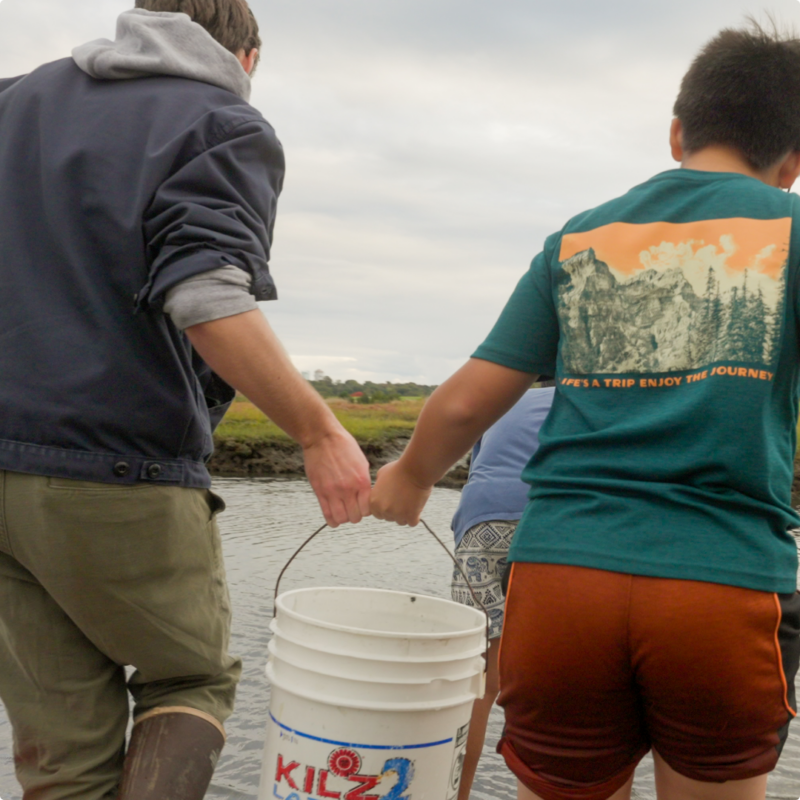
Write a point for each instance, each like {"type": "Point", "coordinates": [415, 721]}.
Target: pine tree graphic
{"type": "Point", "coordinates": [709, 325]}
{"type": "Point", "coordinates": [755, 313]}
{"type": "Point", "coordinates": [736, 332]}
{"type": "Point", "coordinates": [776, 328]}
{"type": "Point", "coordinates": [654, 321]}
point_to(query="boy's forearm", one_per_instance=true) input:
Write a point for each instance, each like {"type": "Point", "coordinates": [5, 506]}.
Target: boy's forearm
{"type": "Point", "coordinates": [457, 414]}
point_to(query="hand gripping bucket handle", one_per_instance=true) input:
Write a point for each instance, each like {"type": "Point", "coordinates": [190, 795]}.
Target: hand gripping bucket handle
{"type": "Point", "coordinates": [478, 603]}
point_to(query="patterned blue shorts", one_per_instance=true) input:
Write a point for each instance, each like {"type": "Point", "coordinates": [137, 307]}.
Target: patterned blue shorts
{"type": "Point", "coordinates": [482, 554]}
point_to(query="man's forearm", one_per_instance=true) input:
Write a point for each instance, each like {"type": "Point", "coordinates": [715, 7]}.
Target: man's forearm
{"type": "Point", "coordinates": [244, 351]}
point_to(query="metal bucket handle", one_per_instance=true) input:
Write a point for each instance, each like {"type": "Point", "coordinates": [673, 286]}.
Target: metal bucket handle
{"type": "Point", "coordinates": [478, 603]}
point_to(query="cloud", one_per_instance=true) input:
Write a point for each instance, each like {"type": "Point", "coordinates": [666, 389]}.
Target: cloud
{"type": "Point", "coordinates": [35, 31]}
{"type": "Point", "coordinates": [694, 259]}
{"type": "Point", "coordinates": [431, 148]}
{"type": "Point", "coordinates": [761, 260]}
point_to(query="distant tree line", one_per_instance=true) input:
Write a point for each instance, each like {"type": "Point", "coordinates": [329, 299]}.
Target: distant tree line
{"type": "Point", "coordinates": [369, 392]}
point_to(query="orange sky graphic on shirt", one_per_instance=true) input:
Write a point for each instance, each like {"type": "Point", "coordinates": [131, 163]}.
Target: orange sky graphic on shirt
{"type": "Point", "coordinates": [739, 244]}
{"type": "Point", "coordinates": [667, 297]}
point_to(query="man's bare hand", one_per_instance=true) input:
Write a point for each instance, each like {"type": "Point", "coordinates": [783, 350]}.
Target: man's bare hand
{"type": "Point", "coordinates": [339, 475]}
{"type": "Point", "coordinates": [244, 351]}
{"type": "Point", "coordinates": [396, 497]}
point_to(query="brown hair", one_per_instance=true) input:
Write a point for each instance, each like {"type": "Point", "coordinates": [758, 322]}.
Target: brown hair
{"type": "Point", "coordinates": [743, 90]}
{"type": "Point", "coordinates": [230, 22]}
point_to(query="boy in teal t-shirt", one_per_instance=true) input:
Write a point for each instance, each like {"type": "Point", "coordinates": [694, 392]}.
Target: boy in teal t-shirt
{"type": "Point", "coordinates": [652, 601]}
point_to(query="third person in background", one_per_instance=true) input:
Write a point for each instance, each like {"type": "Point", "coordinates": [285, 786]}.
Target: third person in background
{"type": "Point", "coordinates": [491, 505]}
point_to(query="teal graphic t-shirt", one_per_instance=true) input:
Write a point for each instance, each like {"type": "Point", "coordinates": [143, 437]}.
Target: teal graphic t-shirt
{"type": "Point", "coordinates": [670, 317]}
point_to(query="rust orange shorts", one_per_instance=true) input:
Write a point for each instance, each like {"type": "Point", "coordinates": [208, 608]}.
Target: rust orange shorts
{"type": "Point", "coordinates": [597, 667]}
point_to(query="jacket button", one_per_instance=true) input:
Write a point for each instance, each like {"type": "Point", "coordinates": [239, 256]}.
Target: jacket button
{"type": "Point", "coordinates": [121, 469]}
{"type": "Point", "coordinates": [154, 471]}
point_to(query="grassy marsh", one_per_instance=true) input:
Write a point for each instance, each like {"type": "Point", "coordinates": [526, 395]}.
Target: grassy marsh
{"type": "Point", "coordinates": [369, 424]}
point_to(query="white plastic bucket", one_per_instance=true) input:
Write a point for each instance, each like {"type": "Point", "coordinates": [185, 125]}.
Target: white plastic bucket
{"type": "Point", "coordinates": [372, 693]}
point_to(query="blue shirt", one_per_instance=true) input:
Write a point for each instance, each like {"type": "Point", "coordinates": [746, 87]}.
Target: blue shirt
{"type": "Point", "coordinates": [495, 489]}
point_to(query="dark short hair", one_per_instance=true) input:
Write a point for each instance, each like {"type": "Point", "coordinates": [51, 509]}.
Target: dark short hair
{"type": "Point", "coordinates": [743, 90]}
{"type": "Point", "coordinates": [230, 22]}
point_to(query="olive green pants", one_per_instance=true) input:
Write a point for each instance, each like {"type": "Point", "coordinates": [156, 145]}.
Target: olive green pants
{"type": "Point", "coordinates": [94, 577]}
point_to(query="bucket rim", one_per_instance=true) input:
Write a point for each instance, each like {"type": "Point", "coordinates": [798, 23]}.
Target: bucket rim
{"type": "Point", "coordinates": [418, 681]}
{"type": "Point", "coordinates": [425, 705]}
{"type": "Point", "coordinates": [478, 650]}
{"type": "Point", "coordinates": [334, 626]}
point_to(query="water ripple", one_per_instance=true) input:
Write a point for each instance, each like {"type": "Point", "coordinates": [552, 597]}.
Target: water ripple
{"type": "Point", "coordinates": [265, 522]}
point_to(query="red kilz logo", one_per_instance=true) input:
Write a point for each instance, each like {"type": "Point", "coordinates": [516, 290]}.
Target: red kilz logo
{"type": "Point", "coordinates": [343, 764]}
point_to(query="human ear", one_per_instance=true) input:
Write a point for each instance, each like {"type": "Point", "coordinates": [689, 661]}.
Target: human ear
{"type": "Point", "coordinates": [676, 140]}
{"type": "Point", "coordinates": [789, 170]}
{"type": "Point", "coordinates": [248, 60]}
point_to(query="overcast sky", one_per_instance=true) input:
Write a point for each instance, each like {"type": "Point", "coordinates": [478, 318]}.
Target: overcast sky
{"type": "Point", "coordinates": [431, 147]}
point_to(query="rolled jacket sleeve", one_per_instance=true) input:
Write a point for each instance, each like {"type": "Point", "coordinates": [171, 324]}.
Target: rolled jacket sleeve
{"type": "Point", "coordinates": [210, 296]}
{"type": "Point", "coordinates": [216, 209]}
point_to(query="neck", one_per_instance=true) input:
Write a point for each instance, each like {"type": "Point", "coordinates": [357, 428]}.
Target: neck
{"type": "Point", "coordinates": [725, 159]}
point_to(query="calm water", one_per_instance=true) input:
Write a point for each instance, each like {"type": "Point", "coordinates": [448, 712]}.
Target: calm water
{"type": "Point", "coordinates": [264, 524]}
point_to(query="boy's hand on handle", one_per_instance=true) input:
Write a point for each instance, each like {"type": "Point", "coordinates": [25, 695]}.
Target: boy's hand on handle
{"type": "Point", "coordinates": [396, 497]}
{"type": "Point", "coordinates": [453, 419]}
{"type": "Point", "coordinates": [338, 472]}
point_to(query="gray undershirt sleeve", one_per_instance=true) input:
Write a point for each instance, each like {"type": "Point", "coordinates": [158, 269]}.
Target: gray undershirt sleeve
{"type": "Point", "coordinates": [222, 292]}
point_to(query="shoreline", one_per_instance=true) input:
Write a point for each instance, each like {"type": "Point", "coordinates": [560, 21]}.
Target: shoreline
{"type": "Point", "coordinates": [270, 458]}
{"type": "Point", "coordinates": [263, 458]}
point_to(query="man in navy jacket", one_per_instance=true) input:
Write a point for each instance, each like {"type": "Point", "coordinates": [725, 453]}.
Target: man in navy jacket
{"type": "Point", "coordinates": [138, 192]}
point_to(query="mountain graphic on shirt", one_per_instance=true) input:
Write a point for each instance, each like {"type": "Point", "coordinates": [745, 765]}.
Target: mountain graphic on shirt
{"type": "Point", "coordinates": [666, 297]}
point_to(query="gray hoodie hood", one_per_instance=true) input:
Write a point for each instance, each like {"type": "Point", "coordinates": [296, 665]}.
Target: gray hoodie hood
{"type": "Point", "coordinates": [162, 43]}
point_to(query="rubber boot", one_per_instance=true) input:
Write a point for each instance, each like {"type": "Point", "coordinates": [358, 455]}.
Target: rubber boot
{"type": "Point", "coordinates": [171, 756]}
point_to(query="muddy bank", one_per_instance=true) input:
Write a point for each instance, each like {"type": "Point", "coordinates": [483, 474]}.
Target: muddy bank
{"type": "Point", "coordinates": [255, 459]}
{"type": "Point", "coordinates": [269, 459]}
